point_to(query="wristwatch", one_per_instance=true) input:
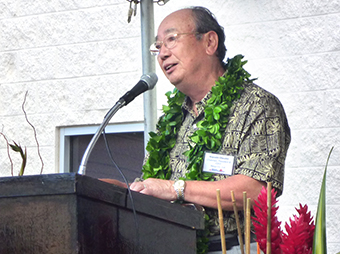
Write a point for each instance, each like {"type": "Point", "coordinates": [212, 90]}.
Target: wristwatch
{"type": "Point", "coordinates": [179, 186]}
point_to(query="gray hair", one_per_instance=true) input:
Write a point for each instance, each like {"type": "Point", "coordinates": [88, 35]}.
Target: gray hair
{"type": "Point", "coordinates": [205, 21]}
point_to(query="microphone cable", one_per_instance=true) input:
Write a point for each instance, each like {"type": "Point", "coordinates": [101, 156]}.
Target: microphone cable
{"type": "Point", "coordinates": [108, 149]}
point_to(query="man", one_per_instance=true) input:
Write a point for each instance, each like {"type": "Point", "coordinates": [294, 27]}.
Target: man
{"type": "Point", "coordinates": [190, 51]}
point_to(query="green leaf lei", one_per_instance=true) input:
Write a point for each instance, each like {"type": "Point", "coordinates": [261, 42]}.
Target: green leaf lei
{"type": "Point", "coordinates": [210, 131]}
{"type": "Point", "coordinates": [208, 137]}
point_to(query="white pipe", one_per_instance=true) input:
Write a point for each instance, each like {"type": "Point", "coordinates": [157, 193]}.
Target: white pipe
{"type": "Point", "coordinates": [148, 63]}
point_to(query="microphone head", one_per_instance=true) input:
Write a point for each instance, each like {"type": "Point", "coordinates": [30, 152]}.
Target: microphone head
{"type": "Point", "coordinates": [150, 79]}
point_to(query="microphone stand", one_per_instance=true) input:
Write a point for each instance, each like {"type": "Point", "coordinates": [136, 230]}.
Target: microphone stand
{"type": "Point", "coordinates": [107, 118]}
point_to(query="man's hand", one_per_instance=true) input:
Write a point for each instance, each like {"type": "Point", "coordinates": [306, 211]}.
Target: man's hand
{"type": "Point", "coordinates": [158, 188]}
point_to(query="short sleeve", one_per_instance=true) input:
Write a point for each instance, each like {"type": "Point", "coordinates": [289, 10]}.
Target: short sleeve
{"type": "Point", "coordinates": [258, 135]}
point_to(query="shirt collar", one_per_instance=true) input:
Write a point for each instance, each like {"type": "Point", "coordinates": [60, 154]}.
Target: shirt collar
{"type": "Point", "coordinates": [199, 105]}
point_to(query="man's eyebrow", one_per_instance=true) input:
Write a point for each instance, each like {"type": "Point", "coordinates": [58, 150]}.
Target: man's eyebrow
{"type": "Point", "coordinates": [167, 31]}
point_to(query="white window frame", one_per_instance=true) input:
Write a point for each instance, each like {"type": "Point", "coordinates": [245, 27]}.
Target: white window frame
{"type": "Point", "coordinates": [66, 132]}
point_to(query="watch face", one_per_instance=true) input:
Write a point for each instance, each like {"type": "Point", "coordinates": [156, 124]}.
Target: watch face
{"type": "Point", "coordinates": [179, 183]}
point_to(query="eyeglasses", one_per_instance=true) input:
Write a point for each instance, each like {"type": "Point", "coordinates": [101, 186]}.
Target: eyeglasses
{"type": "Point", "coordinates": [169, 42]}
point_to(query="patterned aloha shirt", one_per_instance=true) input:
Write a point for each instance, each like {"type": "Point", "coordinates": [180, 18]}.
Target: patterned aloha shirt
{"type": "Point", "coordinates": [257, 134]}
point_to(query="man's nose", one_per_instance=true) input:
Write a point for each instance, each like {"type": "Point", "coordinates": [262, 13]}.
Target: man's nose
{"type": "Point", "coordinates": [164, 51]}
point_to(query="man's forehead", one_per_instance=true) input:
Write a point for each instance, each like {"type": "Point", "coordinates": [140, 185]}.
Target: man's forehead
{"type": "Point", "coordinates": [180, 21]}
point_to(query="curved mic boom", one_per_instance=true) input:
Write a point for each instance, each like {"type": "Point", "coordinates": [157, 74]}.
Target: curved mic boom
{"type": "Point", "coordinates": [146, 82]}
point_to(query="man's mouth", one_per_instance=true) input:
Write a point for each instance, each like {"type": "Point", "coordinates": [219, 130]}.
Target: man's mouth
{"type": "Point", "coordinates": [168, 67]}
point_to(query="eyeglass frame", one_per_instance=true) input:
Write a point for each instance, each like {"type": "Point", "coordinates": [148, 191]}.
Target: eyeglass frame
{"type": "Point", "coordinates": [155, 51]}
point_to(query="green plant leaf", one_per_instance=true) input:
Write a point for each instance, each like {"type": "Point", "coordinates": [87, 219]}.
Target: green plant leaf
{"type": "Point", "coordinates": [319, 241]}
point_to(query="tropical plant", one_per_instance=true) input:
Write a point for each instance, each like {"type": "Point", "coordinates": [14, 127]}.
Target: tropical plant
{"type": "Point", "coordinates": [302, 236]}
{"type": "Point", "coordinates": [260, 222]}
{"type": "Point", "coordinates": [17, 148]}
{"type": "Point", "coordinates": [320, 240]}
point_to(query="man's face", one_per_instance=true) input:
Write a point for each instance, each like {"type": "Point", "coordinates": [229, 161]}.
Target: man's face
{"type": "Point", "coordinates": [180, 64]}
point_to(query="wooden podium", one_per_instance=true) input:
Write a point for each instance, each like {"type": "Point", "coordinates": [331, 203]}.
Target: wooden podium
{"type": "Point", "coordinates": [71, 213]}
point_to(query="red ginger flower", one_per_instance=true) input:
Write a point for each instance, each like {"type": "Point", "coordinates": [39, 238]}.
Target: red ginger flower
{"type": "Point", "coordinates": [299, 237]}
{"type": "Point", "coordinates": [260, 222]}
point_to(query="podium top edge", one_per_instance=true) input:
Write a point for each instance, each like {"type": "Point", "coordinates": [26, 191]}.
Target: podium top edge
{"type": "Point", "coordinates": [87, 187]}
{"type": "Point", "coordinates": [54, 184]}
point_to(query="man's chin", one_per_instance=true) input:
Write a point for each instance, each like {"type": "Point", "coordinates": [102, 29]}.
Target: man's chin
{"type": "Point", "coordinates": [173, 80]}
{"type": "Point", "coordinates": [175, 84]}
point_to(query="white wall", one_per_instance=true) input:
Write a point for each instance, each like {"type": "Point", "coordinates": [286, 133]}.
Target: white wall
{"type": "Point", "coordinates": [76, 58]}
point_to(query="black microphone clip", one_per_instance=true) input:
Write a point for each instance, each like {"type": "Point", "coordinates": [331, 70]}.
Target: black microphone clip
{"type": "Point", "coordinates": [146, 82]}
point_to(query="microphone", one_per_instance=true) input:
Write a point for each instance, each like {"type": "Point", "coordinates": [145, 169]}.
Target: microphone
{"type": "Point", "coordinates": [146, 82]}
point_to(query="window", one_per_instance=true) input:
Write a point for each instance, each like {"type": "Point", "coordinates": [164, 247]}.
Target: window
{"type": "Point", "coordinates": [126, 142]}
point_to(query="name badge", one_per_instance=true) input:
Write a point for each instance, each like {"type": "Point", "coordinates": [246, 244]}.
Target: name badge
{"type": "Point", "coordinates": [218, 163]}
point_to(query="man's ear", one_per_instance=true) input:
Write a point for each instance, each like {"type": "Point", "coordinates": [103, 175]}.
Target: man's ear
{"type": "Point", "coordinates": [211, 42]}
